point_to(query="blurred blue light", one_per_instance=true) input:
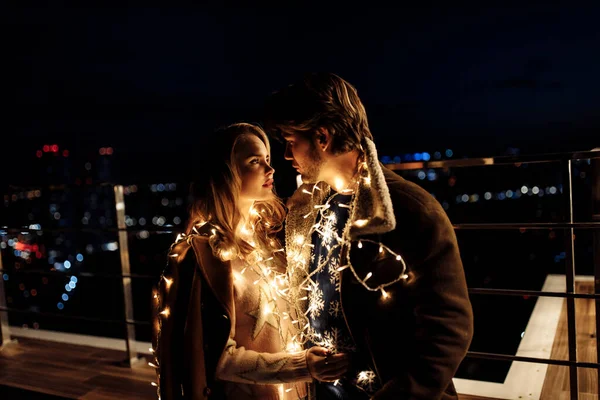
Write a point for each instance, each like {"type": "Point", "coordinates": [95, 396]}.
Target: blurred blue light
{"type": "Point", "coordinates": [68, 288]}
{"type": "Point", "coordinates": [417, 156]}
{"type": "Point", "coordinates": [421, 175]}
{"type": "Point", "coordinates": [65, 297]}
{"type": "Point", "coordinates": [79, 257]}
{"type": "Point", "coordinates": [60, 305]}
{"type": "Point", "coordinates": [72, 284]}
{"type": "Point", "coordinates": [449, 153]}
{"type": "Point", "coordinates": [426, 156]}
{"type": "Point", "coordinates": [5, 277]}
{"type": "Point", "coordinates": [67, 264]}
{"type": "Point", "coordinates": [431, 175]}
{"type": "Point", "coordinates": [74, 279]}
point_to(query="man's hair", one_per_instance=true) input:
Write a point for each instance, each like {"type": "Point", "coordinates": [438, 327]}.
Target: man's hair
{"type": "Point", "coordinates": [319, 100]}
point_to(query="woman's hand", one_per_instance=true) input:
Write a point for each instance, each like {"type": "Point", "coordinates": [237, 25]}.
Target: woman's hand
{"type": "Point", "coordinates": [324, 366]}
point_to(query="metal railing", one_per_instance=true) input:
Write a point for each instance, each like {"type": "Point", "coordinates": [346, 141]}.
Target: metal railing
{"type": "Point", "coordinates": [566, 160]}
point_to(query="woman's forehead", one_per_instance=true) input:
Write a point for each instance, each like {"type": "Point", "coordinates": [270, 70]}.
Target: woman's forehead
{"type": "Point", "coordinates": [250, 145]}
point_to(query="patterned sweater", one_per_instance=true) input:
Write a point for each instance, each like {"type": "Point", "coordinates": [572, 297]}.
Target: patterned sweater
{"type": "Point", "coordinates": [255, 363]}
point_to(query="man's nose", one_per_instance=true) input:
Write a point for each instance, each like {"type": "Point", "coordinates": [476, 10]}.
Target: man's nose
{"type": "Point", "coordinates": [288, 153]}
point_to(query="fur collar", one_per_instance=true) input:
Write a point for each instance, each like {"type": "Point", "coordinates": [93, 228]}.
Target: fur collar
{"type": "Point", "coordinates": [372, 211]}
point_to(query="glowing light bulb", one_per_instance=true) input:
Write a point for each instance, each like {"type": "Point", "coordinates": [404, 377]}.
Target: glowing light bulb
{"type": "Point", "coordinates": [168, 281]}
{"type": "Point", "coordinates": [384, 294]}
{"type": "Point", "coordinates": [360, 244]}
{"type": "Point", "coordinates": [370, 274]}
{"type": "Point", "coordinates": [361, 222]}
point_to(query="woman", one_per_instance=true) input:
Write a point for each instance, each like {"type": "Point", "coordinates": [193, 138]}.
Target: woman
{"type": "Point", "coordinates": [222, 327]}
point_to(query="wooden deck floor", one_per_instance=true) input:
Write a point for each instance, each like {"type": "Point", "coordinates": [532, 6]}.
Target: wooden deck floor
{"type": "Point", "coordinates": [73, 372]}
{"type": "Point", "coordinates": [79, 372]}
{"type": "Point", "coordinates": [556, 384]}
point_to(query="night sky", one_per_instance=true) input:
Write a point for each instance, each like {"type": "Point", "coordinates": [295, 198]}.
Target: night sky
{"type": "Point", "coordinates": [151, 81]}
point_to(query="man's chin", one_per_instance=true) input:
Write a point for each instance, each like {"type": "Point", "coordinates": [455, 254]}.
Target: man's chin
{"type": "Point", "coordinates": [307, 179]}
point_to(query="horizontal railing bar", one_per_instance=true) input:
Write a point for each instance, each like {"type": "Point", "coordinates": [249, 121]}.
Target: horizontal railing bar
{"type": "Point", "coordinates": [535, 293]}
{"type": "Point", "coordinates": [500, 160]}
{"type": "Point", "coordinates": [474, 226]}
{"type": "Point", "coordinates": [487, 291]}
{"type": "Point", "coordinates": [507, 357]}
{"type": "Point", "coordinates": [529, 225]}
{"type": "Point", "coordinates": [93, 230]}
{"type": "Point", "coordinates": [74, 317]}
{"type": "Point", "coordinates": [79, 274]}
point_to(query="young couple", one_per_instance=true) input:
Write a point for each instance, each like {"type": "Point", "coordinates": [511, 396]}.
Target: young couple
{"type": "Point", "coordinates": [365, 299]}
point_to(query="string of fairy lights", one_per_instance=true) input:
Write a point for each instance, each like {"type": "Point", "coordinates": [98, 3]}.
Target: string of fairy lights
{"type": "Point", "coordinates": [293, 284]}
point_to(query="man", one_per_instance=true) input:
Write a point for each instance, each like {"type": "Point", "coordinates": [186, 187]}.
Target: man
{"type": "Point", "coordinates": [373, 259]}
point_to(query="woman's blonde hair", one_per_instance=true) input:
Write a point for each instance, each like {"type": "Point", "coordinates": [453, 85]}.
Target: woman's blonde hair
{"type": "Point", "coordinates": [215, 194]}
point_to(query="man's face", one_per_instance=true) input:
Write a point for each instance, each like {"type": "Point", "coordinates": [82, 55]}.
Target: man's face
{"type": "Point", "coordinates": [304, 155]}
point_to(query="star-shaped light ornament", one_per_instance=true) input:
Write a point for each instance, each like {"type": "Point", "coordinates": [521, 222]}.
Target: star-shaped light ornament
{"type": "Point", "coordinates": [264, 314]}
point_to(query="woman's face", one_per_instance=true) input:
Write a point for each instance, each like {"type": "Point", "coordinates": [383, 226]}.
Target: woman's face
{"type": "Point", "coordinates": [256, 172]}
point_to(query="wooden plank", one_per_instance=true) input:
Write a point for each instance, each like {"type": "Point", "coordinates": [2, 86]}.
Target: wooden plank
{"type": "Point", "coordinates": [556, 384]}
{"type": "Point", "coordinates": [74, 371]}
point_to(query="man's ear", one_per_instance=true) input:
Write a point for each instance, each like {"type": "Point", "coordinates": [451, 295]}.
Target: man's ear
{"type": "Point", "coordinates": [323, 138]}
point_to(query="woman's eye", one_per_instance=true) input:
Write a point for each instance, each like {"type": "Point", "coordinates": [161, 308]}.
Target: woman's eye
{"type": "Point", "coordinates": [254, 161]}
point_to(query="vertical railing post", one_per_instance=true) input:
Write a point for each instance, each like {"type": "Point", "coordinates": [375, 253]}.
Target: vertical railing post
{"type": "Point", "coordinates": [4, 326]}
{"type": "Point", "coordinates": [132, 356]}
{"type": "Point", "coordinates": [570, 277]}
{"type": "Point", "coordinates": [595, 163]}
